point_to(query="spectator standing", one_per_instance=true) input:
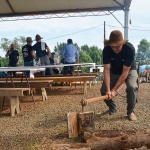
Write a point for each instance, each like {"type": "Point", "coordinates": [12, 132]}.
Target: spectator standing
{"type": "Point", "coordinates": [13, 55]}
{"type": "Point", "coordinates": [43, 53]}
{"type": "Point", "coordinates": [26, 52]}
{"type": "Point", "coordinates": [119, 66]}
{"type": "Point", "coordinates": [71, 55]}
{"type": "Point", "coordinates": [54, 61]}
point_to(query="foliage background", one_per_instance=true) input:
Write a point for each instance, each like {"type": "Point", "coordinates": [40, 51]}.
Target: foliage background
{"type": "Point", "coordinates": [87, 54]}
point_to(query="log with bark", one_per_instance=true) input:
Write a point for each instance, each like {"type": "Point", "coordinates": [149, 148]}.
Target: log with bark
{"type": "Point", "coordinates": [108, 140]}
{"type": "Point", "coordinates": [80, 122]}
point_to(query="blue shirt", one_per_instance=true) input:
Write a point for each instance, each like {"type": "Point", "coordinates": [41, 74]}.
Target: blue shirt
{"type": "Point", "coordinates": [143, 68]}
{"type": "Point", "coordinates": [70, 52]}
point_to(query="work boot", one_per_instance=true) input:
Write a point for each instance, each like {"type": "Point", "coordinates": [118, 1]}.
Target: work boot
{"type": "Point", "coordinates": [112, 112]}
{"type": "Point", "coordinates": [132, 117]}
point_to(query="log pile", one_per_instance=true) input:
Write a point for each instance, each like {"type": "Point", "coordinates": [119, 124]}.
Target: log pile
{"type": "Point", "coordinates": [108, 140]}
{"type": "Point", "coordinates": [82, 125]}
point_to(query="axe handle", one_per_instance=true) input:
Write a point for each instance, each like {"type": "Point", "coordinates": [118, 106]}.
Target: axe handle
{"type": "Point", "coordinates": [96, 99]}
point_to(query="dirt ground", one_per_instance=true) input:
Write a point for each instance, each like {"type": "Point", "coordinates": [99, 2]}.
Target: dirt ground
{"type": "Point", "coordinates": [39, 125]}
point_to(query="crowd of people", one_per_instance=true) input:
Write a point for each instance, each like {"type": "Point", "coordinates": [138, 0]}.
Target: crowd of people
{"type": "Point", "coordinates": [40, 54]}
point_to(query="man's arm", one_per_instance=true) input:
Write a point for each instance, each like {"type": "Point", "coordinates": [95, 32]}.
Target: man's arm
{"type": "Point", "coordinates": [77, 60]}
{"type": "Point", "coordinates": [77, 56]}
{"type": "Point", "coordinates": [107, 78]}
{"type": "Point", "coordinates": [8, 53]}
{"type": "Point", "coordinates": [33, 54]}
{"type": "Point", "coordinates": [18, 59]}
{"type": "Point", "coordinates": [48, 51]}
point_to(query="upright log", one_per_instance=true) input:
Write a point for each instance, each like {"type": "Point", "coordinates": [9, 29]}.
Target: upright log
{"type": "Point", "coordinates": [72, 124]}
{"type": "Point", "coordinates": [85, 122]}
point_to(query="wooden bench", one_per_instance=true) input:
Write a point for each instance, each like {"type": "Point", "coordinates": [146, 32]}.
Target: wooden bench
{"type": "Point", "coordinates": [83, 79]}
{"type": "Point", "coordinates": [76, 74]}
{"type": "Point", "coordinates": [40, 84]}
{"type": "Point", "coordinates": [34, 84]}
{"type": "Point", "coordinates": [96, 74]}
{"type": "Point", "coordinates": [13, 96]}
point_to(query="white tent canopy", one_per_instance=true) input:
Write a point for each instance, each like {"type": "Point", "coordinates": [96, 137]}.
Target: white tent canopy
{"type": "Point", "coordinates": [9, 8]}
{"type": "Point", "coordinates": [16, 8]}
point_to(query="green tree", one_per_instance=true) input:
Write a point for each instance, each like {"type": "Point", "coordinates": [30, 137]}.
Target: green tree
{"type": "Point", "coordinates": [59, 47]}
{"type": "Point", "coordinates": [96, 54]}
{"type": "Point", "coordinates": [84, 57]}
{"type": "Point", "coordinates": [3, 62]}
{"type": "Point", "coordinates": [85, 48]}
{"type": "Point", "coordinates": [143, 52]}
{"type": "Point", "coordinates": [5, 44]}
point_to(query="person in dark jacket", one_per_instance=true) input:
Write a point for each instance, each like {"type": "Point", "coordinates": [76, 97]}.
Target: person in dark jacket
{"type": "Point", "coordinates": [27, 55]}
{"type": "Point", "coordinates": [43, 53]}
{"type": "Point", "coordinates": [13, 55]}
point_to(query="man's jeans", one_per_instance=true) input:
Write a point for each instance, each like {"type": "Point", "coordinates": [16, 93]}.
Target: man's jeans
{"type": "Point", "coordinates": [68, 69]}
{"type": "Point", "coordinates": [45, 61]}
{"type": "Point", "coordinates": [131, 90]}
{"type": "Point", "coordinates": [28, 63]}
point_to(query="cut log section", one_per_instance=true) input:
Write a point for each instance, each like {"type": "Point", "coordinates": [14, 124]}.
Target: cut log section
{"type": "Point", "coordinates": [78, 123]}
{"type": "Point", "coordinates": [85, 122]}
{"type": "Point", "coordinates": [72, 125]}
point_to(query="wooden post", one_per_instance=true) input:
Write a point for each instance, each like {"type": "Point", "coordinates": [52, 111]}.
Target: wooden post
{"type": "Point", "coordinates": [72, 124]}
{"type": "Point", "coordinates": [14, 105]}
{"type": "Point", "coordinates": [44, 94]}
{"type": "Point", "coordinates": [85, 122]}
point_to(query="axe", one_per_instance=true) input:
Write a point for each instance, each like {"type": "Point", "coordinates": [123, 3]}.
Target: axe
{"type": "Point", "coordinates": [91, 100]}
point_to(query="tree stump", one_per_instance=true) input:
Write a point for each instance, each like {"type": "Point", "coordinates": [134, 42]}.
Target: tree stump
{"type": "Point", "coordinates": [85, 122]}
{"type": "Point", "coordinates": [80, 122]}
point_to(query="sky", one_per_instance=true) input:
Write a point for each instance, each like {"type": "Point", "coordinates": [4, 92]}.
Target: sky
{"type": "Point", "coordinates": [82, 30]}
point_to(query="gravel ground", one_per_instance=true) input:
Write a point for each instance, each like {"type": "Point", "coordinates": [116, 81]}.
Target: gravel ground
{"type": "Point", "coordinates": [41, 124]}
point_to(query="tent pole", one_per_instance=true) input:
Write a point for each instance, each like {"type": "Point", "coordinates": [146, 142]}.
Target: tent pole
{"type": "Point", "coordinates": [126, 27]}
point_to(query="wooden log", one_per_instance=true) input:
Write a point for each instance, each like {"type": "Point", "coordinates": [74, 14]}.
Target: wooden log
{"type": "Point", "coordinates": [33, 90]}
{"type": "Point", "coordinates": [14, 105]}
{"type": "Point", "coordinates": [72, 125]}
{"type": "Point", "coordinates": [77, 146]}
{"type": "Point", "coordinates": [85, 122]}
{"type": "Point", "coordinates": [102, 140]}
{"type": "Point", "coordinates": [44, 94]}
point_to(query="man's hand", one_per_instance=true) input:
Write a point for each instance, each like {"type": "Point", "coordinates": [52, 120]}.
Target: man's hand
{"type": "Point", "coordinates": [9, 52]}
{"type": "Point", "coordinates": [111, 94]}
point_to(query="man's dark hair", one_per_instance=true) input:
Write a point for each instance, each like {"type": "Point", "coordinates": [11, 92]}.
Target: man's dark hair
{"type": "Point", "coordinates": [69, 41]}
